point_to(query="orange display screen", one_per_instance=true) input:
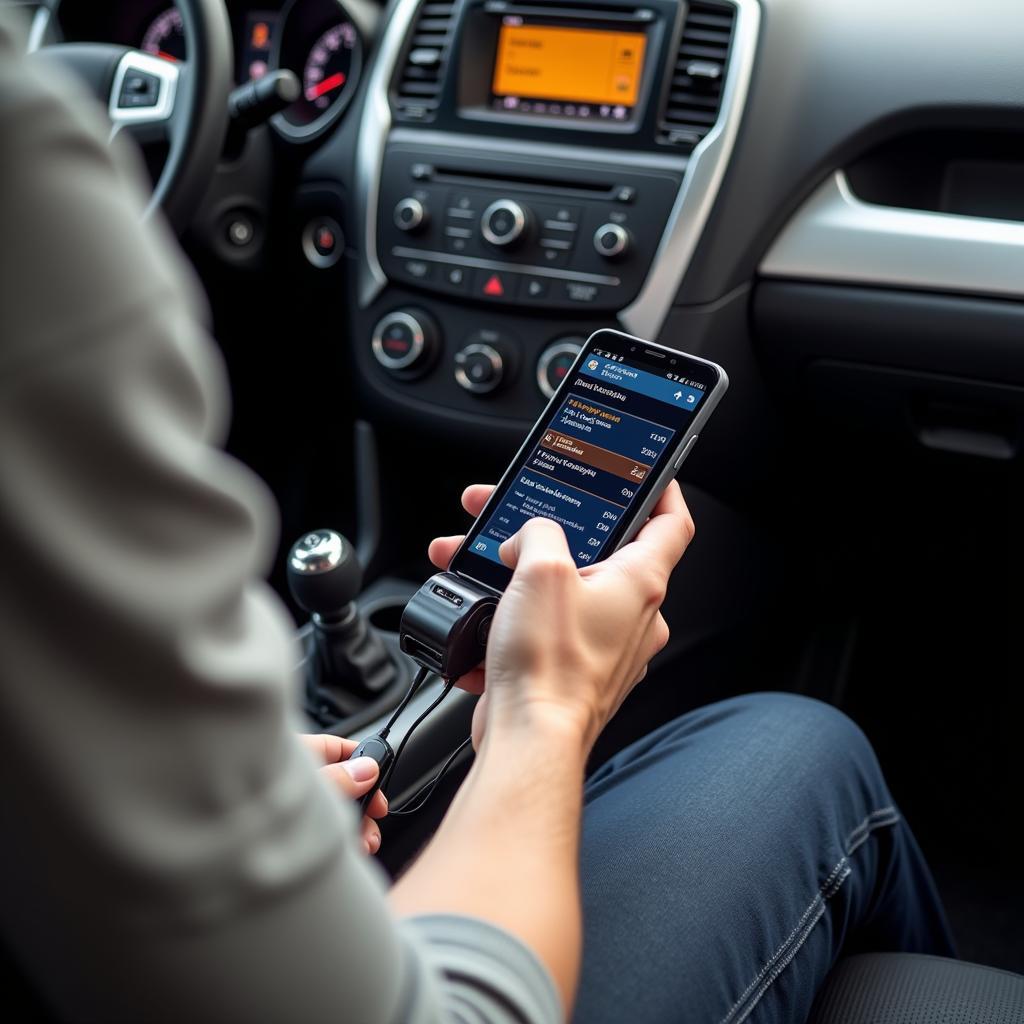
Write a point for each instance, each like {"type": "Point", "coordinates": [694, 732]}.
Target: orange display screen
{"type": "Point", "coordinates": [576, 65]}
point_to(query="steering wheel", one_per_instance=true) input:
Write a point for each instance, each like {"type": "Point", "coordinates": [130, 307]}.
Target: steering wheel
{"type": "Point", "coordinates": [185, 105]}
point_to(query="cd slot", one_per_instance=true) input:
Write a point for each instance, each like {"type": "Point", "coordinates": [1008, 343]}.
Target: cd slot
{"type": "Point", "coordinates": [452, 176]}
{"type": "Point", "coordinates": [631, 15]}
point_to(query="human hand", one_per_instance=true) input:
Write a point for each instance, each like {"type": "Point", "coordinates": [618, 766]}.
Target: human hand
{"type": "Point", "coordinates": [353, 779]}
{"type": "Point", "coordinates": [570, 644]}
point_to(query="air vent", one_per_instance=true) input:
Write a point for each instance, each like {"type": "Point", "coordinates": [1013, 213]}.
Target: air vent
{"type": "Point", "coordinates": [695, 92]}
{"type": "Point", "coordinates": [418, 90]}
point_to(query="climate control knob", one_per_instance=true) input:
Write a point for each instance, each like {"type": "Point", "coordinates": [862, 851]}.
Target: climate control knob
{"type": "Point", "coordinates": [612, 241]}
{"type": "Point", "coordinates": [504, 222]}
{"type": "Point", "coordinates": [479, 368]}
{"type": "Point", "coordinates": [555, 362]}
{"type": "Point", "coordinates": [410, 215]}
{"type": "Point", "coordinates": [405, 341]}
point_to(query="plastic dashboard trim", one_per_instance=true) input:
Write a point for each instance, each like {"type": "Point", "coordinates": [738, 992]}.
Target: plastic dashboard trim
{"type": "Point", "coordinates": [837, 237]}
{"type": "Point", "coordinates": [704, 168]}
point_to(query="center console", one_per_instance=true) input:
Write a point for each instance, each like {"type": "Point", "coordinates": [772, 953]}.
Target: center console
{"type": "Point", "coordinates": [526, 174]}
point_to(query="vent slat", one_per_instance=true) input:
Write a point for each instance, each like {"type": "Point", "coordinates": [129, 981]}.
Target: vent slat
{"type": "Point", "coordinates": [418, 87]}
{"type": "Point", "coordinates": [694, 96]}
{"type": "Point", "coordinates": [693, 51]}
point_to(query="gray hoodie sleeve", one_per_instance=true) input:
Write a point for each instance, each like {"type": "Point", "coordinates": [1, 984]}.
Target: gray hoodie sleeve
{"type": "Point", "coordinates": [169, 852]}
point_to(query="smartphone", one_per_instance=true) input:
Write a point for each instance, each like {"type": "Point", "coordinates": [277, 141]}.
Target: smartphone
{"type": "Point", "coordinates": [613, 436]}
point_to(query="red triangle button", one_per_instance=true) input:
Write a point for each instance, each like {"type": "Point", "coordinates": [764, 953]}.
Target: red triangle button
{"type": "Point", "coordinates": [494, 286]}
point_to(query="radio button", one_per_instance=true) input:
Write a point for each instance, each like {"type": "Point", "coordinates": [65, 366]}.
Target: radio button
{"type": "Point", "coordinates": [581, 292]}
{"type": "Point", "coordinates": [419, 270]}
{"type": "Point", "coordinates": [534, 288]}
{"type": "Point", "coordinates": [456, 278]}
{"type": "Point", "coordinates": [555, 257]}
{"type": "Point", "coordinates": [503, 223]}
{"type": "Point", "coordinates": [611, 241]}
{"type": "Point", "coordinates": [410, 215]}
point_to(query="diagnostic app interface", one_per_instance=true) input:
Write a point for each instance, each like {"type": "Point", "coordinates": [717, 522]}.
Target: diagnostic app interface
{"type": "Point", "coordinates": [606, 438]}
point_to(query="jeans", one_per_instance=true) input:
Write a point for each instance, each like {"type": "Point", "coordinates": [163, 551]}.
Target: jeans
{"type": "Point", "coordinates": [731, 857]}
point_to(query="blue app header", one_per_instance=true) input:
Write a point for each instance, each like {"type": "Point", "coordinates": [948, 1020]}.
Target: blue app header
{"type": "Point", "coordinates": [650, 384]}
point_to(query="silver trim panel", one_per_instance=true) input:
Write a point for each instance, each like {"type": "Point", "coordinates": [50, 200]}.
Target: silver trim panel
{"type": "Point", "coordinates": [373, 134]}
{"type": "Point", "coordinates": [508, 268]}
{"type": "Point", "coordinates": [835, 236]}
{"type": "Point", "coordinates": [646, 314]}
{"type": "Point", "coordinates": [704, 167]}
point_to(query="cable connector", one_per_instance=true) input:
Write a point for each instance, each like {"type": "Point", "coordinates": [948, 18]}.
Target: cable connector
{"type": "Point", "coordinates": [446, 623]}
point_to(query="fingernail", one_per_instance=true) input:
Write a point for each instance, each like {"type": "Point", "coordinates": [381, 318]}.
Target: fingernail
{"type": "Point", "coordinates": [374, 842]}
{"type": "Point", "coordinates": [361, 769]}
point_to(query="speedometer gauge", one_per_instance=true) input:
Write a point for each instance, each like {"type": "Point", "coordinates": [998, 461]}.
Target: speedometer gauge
{"type": "Point", "coordinates": [325, 51]}
{"type": "Point", "coordinates": [328, 71]}
{"type": "Point", "coordinates": [165, 37]}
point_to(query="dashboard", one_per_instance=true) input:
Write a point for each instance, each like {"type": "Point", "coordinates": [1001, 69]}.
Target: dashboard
{"type": "Point", "coordinates": [467, 189]}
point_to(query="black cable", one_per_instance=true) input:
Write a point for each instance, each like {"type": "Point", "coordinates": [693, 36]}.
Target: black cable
{"type": "Point", "coordinates": [417, 682]}
{"type": "Point", "coordinates": [426, 791]}
{"type": "Point", "coordinates": [412, 728]}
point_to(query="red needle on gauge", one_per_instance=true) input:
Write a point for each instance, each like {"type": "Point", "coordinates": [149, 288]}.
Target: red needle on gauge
{"type": "Point", "coordinates": [325, 86]}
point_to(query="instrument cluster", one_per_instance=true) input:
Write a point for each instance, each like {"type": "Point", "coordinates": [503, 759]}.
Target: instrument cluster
{"type": "Point", "coordinates": [320, 40]}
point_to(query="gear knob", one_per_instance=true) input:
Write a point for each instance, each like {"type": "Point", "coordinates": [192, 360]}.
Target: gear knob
{"type": "Point", "coordinates": [324, 575]}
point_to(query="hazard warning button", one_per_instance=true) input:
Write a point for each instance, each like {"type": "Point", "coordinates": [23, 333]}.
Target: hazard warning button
{"type": "Point", "coordinates": [495, 284]}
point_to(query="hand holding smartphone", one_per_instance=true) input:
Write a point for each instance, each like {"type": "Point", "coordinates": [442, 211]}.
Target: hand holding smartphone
{"type": "Point", "coordinates": [614, 434]}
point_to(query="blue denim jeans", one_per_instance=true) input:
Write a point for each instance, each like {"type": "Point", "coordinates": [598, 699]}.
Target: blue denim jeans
{"type": "Point", "coordinates": [732, 856]}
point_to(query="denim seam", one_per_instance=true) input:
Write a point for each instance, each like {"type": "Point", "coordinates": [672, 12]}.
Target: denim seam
{"type": "Point", "coordinates": [880, 818]}
{"type": "Point", "coordinates": [785, 943]}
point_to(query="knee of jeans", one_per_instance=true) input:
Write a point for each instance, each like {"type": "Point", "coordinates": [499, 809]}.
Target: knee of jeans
{"type": "Point", "coordinates": [834, 740]}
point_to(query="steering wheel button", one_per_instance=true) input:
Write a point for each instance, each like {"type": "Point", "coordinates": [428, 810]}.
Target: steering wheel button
{"type": "Point", "coordinates": [139, 90]}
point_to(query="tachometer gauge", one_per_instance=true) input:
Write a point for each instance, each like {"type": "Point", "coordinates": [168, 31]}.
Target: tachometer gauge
{"type": "Point", "coordinates": [328, 71]}
{"type": "Point", "coordinates": [165, 37]}
{"type": "Point", "coordinates": [326, 54]}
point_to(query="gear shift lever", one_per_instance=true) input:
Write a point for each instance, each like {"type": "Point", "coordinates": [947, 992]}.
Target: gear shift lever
{"type": "Point", "coordinates": [325, 578]}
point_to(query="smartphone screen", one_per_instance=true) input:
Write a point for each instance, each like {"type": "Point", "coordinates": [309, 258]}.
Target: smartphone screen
{"type": "Point", "coordinates": [617, 428]}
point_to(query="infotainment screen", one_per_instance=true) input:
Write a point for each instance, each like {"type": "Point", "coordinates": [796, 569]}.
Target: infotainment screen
{"type": "Point", "coordinates": [567, 71]}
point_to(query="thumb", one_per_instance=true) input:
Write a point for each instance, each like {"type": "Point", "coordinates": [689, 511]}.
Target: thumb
{"type": "Point", "coordinates": [354, 778]}
{"type": "Point", "coordinates": [537, 540]}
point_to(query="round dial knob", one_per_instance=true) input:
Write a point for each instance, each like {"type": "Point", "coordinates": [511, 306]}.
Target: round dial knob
{"type": "Point", "coordinates": [503, 223]}
{"type": "Point", "coordinates": [554, 363]}
{"type": "Point", "coordinates": [410, 215]}
{"type": "Point", "coordinates": [479, 368]}
{"type": "Point", "coordinates": [404, 340]}
{"type": "Point", "coordinates": [611, 241]}
{"type": "Point", "coordinates": [324, 574]}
